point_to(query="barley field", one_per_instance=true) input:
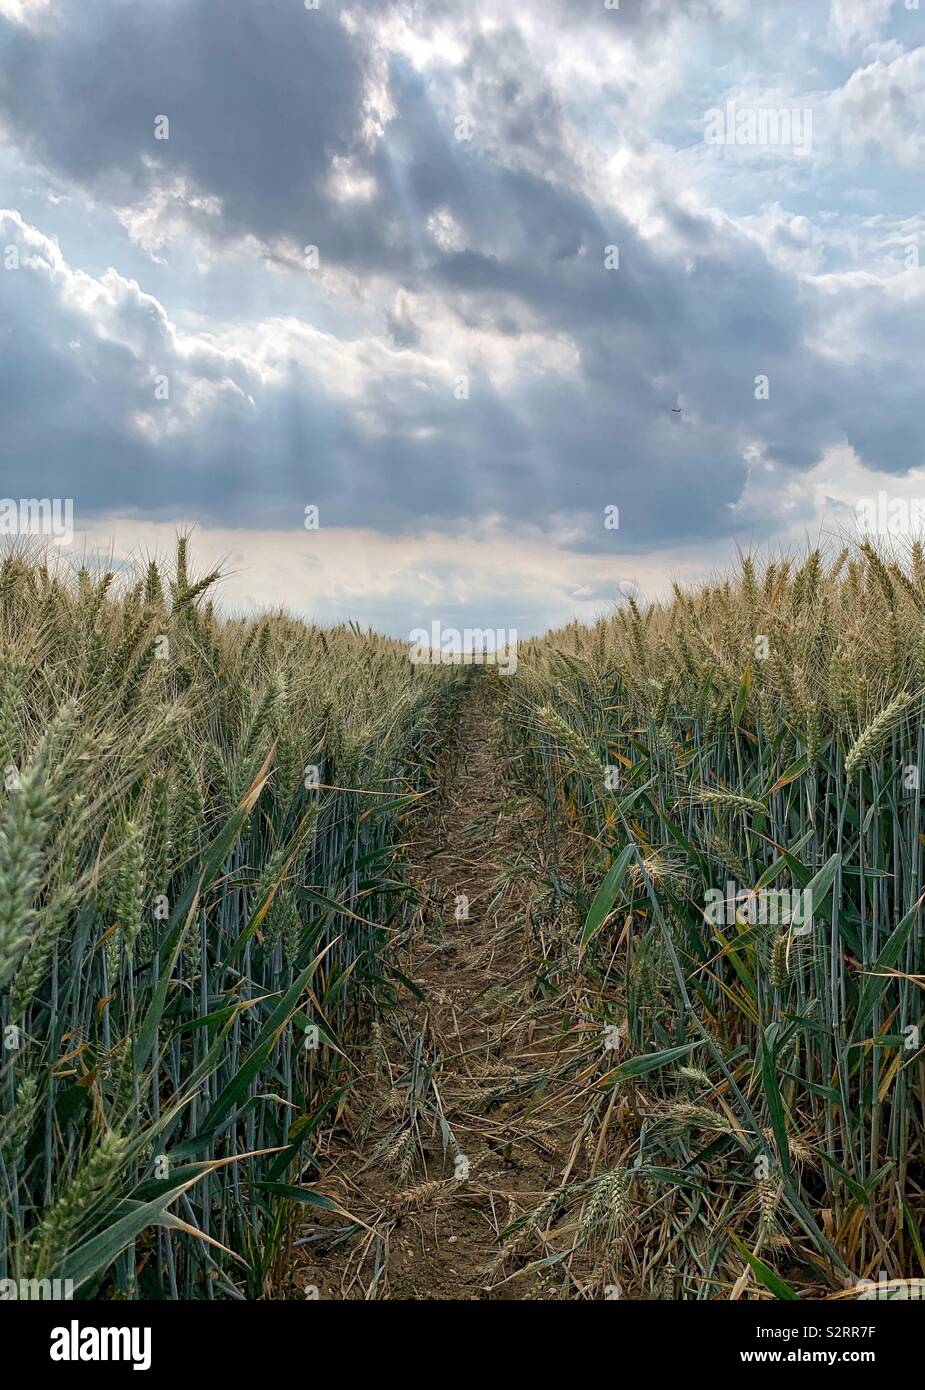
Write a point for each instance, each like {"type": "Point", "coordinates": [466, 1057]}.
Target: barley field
{"type": "Point", "coordinates": [302, 943]}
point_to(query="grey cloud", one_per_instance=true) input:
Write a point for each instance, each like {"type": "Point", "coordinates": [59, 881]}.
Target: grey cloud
{"type": "Point", "coordinates": [261, 100]}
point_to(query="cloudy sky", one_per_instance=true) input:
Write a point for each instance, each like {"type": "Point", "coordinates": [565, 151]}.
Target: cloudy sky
{"type": "Point", "coordinates": [462, 274]}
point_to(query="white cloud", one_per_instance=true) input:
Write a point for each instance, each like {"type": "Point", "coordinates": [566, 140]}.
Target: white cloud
{"type": "Point", "coordinates": [854, 22]}
{"type": "Point", "coordinates": [335, 573]}
{"type": "Point", "coordinates": [790, 240]}
{"type": "Point", "coordinates": [23, 11]}
{"type": "Point", "coordinates": [348, 184]}
{"type": "Point", "coordinates": [880, 110]}
{"type": "Point", "coordinates": [172, 213]}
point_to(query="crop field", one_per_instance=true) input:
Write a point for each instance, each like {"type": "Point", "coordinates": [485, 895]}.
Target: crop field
{"type": "Point", "coordinates": [733, 784]}
{"type": "Point", "coordinates": [198, 867]}
{"type": "Point", "coordinates": [324, 972]}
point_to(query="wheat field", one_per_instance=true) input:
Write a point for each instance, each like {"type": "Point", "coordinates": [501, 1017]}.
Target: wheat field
{"type": "Point", "coordinates": [198, 868]}
{"type": "Point", "coordinates": [714, 876]}
{"type": "Point", "coordinates": [757, 743]}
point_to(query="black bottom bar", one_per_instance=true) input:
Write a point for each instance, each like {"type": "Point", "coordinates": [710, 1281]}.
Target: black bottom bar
{"type": "Point", "coordinates": [186, 1339]}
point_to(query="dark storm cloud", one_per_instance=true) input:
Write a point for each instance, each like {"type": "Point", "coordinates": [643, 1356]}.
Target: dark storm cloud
{"type": "Point", "coordinates": [262, 102]}
{"type": "Point", "coordinates": [551, 445]}
{"type": "Point", "coordinates": [262, 98]}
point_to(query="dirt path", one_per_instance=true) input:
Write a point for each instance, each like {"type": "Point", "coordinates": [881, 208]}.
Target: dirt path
{"type": "Point", "coordinates": [446, 1144]}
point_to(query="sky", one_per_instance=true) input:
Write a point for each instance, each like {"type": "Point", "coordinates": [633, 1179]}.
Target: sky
{"type": "Point", "coordinates": [504, 296]}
